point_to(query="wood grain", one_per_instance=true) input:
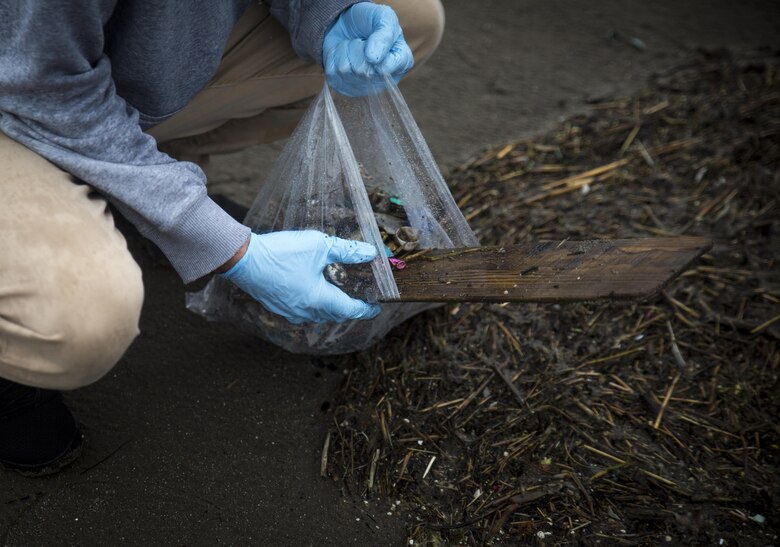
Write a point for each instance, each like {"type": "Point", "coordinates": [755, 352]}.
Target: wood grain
{"type": "Point", "coordinates": [552, 271]}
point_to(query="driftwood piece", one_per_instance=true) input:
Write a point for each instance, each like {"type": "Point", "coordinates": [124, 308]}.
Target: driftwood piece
{"type": "Point", "coordinates": [551, 271]}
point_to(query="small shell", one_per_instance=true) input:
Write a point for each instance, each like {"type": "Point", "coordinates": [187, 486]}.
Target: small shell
{"type": "Point", "coordinates": [336, 274]}
{"type": "Point", "coordinates": [407, 233]}
{"type": "Point", "coordinates": [407, 238]}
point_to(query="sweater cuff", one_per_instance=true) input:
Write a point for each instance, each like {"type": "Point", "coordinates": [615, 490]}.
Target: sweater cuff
{"type": "Point", "coordinates": [315, 20]}
{"type": "Point", "coordinates": [203, 239]}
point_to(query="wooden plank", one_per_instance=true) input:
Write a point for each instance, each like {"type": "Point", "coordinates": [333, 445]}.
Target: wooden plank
{"type": "Point", "coordinates": [552, 271]}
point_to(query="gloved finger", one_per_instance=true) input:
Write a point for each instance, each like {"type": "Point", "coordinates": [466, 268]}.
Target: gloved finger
{"type": "Point", "coordinates": [330, 66]}
{"type": "Point", "coordinates": [399, 61]}
{"type": "Point", "coordinates": [339, 306]}
{"type": "Point", "coordinates": [343, 64]}
{"type": "Point", "coordinates": [386, 31]}
{"type": "Point", "coordinates": [333, 76]}
{"type": "Point", "coordinates": [348, 251]}
{"type": "Point", "coordinates": [358, 65]}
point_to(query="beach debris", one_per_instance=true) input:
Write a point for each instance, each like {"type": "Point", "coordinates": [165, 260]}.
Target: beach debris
{"type": "Point", "coordinates": [594, 427]}
{"type": "Point", "coordinates": [336, 274]}
{"type": "Point", "coordinates": [398, 263]}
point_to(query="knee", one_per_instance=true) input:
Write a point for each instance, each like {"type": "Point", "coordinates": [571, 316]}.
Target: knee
{"type": "Point", "coordinates": [422, 22]}
{"type": "Point", "coordinates": [96, 320]}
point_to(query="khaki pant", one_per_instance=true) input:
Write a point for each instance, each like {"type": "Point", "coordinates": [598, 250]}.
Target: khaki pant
{"type": "Point", "coordinates": [70, 293]}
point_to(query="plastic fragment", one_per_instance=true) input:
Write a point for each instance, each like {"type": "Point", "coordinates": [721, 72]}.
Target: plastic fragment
{"type": "Point", "coordinates": [398, 263]}
{"type": "Point", "coordinates": [407, 238]}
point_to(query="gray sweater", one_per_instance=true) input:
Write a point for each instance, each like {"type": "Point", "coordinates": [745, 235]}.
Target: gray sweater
{"type": "Point", "coordinates": [80, 81]}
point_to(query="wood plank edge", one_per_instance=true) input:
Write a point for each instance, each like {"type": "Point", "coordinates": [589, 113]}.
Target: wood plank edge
{"type": "Point", "coordinates": [705, 246]}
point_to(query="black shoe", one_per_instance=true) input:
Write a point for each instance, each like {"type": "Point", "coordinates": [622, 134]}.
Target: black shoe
{"type": "Point", "coordinates": [37, 431]}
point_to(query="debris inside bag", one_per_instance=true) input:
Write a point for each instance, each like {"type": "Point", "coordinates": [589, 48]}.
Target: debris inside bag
{"type": "Point", "coordinates": [336, 274]}
{"type": "Point", "coordinates": [400, 239]}
{"type": "Point", "coordinates": [398, 263]}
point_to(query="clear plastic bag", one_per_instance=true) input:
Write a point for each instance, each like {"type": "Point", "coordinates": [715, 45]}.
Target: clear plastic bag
{"type": "Point", "coordinates": [356, 168]}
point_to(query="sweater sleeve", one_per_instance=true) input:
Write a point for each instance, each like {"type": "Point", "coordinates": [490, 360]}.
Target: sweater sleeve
{"type": "Point", "coordinates": [307, 21]}
{"type": "Point", "coordinates": [57, 98]}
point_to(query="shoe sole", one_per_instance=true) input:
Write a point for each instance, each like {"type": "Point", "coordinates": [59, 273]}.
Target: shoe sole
{"type": "Point", "coordinates": [69, 456]}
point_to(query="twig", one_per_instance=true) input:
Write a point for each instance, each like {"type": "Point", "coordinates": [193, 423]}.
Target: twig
{"type": "Point", "coordinates": [568, 181]}
{"type": "Point", "coordinates": [614, 356]}
{"type": "Point", "coordinates": [765, 324]}
{"type": "Point", "coordinates": [430, 464]}
{"type": "Point", "coordinates": [512, 387]}
{"type": "Point", "coordinates": [372, 470]}
{"type": "Point", "coordinates": [451, 254]}
{"type": "Point", "coordinates": [604, 454]}
{"type": "Point", "coordinates": [630, 139]}
{"type": "Point", "coordinates": [677, 304]}
{"type": "Point", "coordinates": [470, 398]}
{"type": "Point", "coordinates": [676, 350]}
{"type": "Point", "coordinates": [623, 462]}
{"type": "Point", "coordinates": [665, 402]}
{"type": "Point", "coordinates": [644, 153]}
{"type": "Point", "coordinates": [324, 459]}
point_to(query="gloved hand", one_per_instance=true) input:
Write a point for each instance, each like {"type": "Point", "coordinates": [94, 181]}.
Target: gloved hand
{"type": "Point", "coordinates": [283, 271]}
{"type": "Point", "coordinates": [363, 45]}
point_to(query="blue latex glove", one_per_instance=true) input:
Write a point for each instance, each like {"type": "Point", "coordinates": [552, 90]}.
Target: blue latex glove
{"type": "Point", "coordinates": [283, 271]}
{"type": "Point", "coordinates": [364, 44]}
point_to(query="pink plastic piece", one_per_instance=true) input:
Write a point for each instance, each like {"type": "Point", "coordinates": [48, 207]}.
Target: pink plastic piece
{"type": "Point", "coordinates": [398, 263]}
